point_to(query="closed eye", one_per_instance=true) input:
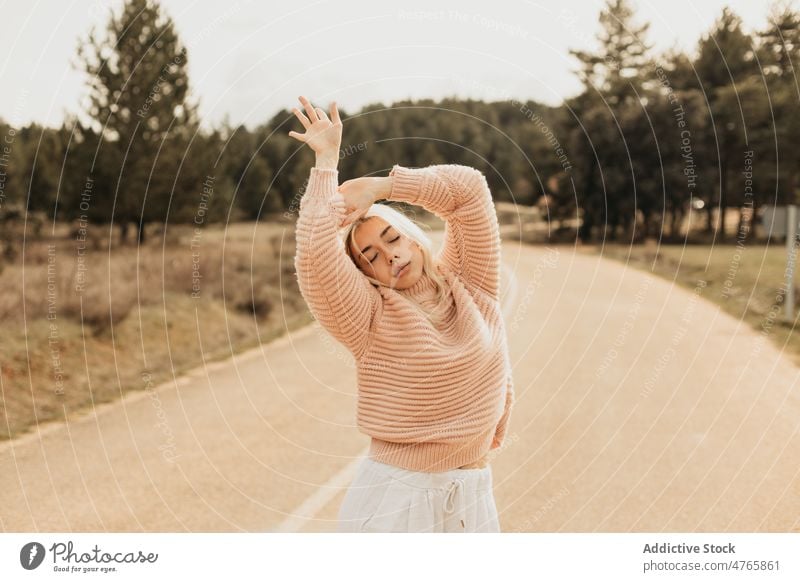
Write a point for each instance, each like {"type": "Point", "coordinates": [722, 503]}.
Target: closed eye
{"type": "Point", "coordinates": [376, 255]}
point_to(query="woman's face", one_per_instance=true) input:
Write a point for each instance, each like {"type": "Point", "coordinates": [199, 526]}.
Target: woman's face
{"type": "Point", "coordinates": [386, 254]}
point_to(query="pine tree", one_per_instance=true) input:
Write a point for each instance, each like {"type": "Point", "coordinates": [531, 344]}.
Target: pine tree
{"type": "Point", "coordinates": [726, 58]}
{"type": "Point", "coordinates": [614, 79]}
{"type": "Point", "coordinates": [725, 54]}
{"type": "Point", "coordinates": [622, 56]}
{"type": "Point", "coordinates": [781, 41]}
{"type": "Point", "coordinates": [138, 103]}
{"type": "Point", "coordinates": [779, 52]}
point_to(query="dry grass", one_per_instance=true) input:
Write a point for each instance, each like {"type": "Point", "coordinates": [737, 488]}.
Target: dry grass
{"type": "Point", "coordinates": [244, 273]}
{"type": "Point", "coordinates": [65, 348]}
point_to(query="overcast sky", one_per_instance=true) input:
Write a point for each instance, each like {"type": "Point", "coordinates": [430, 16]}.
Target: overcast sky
{"type": "Point", "coordinates": [248, 59]}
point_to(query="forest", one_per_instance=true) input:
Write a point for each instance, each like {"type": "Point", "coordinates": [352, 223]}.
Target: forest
{"type": "Point", "coordinates": [649, 138]}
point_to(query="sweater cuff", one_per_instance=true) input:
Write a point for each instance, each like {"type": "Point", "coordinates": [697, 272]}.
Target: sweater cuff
{"type": "Point", "coordinates": [406, 184]}
{"type": "Point", "coordinates": [323, 175]}
{"type": "Point", "coordinates": [321, 188]}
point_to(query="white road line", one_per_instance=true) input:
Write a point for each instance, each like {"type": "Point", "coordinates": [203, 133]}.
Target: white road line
{"type": "Point", "coordinates": [306, 511]}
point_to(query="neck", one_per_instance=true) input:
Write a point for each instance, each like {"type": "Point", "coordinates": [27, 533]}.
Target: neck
{"type": "Point", "coordinates": [424, 286]}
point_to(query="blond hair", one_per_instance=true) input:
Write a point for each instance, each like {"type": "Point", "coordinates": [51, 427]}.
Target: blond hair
{"type": "Point", "coordinates": [412, 230]}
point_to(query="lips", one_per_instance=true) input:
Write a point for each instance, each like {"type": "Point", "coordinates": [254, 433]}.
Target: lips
{"type": "Point", "coordinates": [402, 270]}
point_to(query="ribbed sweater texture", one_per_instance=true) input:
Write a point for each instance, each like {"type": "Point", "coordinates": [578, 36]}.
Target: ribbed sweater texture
{"type": "Point", "coordinates": [433, 396]}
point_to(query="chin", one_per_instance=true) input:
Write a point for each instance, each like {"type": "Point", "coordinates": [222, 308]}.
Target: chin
{"type": "Point", "coordinates": [410, 279]}
{"type": "Point", "coordinates": [404, 282]}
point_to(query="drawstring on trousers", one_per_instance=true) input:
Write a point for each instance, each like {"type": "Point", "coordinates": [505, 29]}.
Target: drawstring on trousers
{"type": "Point", "coordinates": [454, 486]}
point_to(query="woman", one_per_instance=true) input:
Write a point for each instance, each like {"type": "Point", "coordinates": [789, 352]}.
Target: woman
{"type": "Point", "coordinates": [434, 376]}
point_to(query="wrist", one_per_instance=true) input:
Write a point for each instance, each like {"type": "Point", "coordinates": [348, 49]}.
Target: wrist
{"type": "Point", "coordinates": [327, 160]}
{"type": "Point", "coordinates": [384, 189]}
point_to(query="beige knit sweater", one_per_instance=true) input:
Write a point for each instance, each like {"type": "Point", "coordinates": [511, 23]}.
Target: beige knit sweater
{"type": "Point", "coordinates": [433, 397]}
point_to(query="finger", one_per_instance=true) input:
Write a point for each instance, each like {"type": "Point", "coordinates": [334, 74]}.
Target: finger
{"type": "Point", "coordinates": [301, 117]}
{"type": "Point", "coordinates": [297, 136]}
{"type": "Point", "coordinates": [350, 217]}
{"type": "Point", "coordinates": [321, 113]}
{"type": "Point", "coordinates": [312, 115]}
{"type": "Point", "coordinates": [335, 113]}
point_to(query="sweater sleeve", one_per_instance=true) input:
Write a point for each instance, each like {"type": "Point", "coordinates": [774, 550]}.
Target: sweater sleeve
{"type": "Point", "coordinates": [338, 294]}
{"type": "Point", "coordinates": [460, 196]}
{"type": "Point", "coordinates": [502, 425]}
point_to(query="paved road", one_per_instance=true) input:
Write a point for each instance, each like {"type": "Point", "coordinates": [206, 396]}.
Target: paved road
{"type": "Point", "coordinates": [640, 407]}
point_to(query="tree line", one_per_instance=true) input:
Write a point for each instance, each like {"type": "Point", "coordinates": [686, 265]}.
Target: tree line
{"type": "Point", "coordinates": [649, 137]}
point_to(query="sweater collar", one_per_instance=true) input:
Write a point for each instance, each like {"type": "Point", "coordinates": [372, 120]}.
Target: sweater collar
{"type": "Point", "coordinates": [424, 287]}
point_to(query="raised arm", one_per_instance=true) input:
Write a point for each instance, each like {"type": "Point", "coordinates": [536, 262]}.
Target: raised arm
{"type": "Point", "coordinates": [337, 293]}
{"type": "Point", "coordinates": [339, 296]}
{"type": "Point", "coordinates": [460, 196]}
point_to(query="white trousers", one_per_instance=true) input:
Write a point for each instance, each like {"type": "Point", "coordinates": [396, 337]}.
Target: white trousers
{"type": "Point", "coordinates": [385, 498]}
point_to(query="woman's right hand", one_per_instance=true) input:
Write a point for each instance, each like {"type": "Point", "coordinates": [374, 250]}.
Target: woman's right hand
{"type": "Point", "coordinates": [361, 193]}
{"type": "Point", "coordinates": [322, 135]}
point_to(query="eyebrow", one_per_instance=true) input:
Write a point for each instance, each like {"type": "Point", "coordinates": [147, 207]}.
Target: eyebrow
{"type": "Point", "coordinates": [383, 232]}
